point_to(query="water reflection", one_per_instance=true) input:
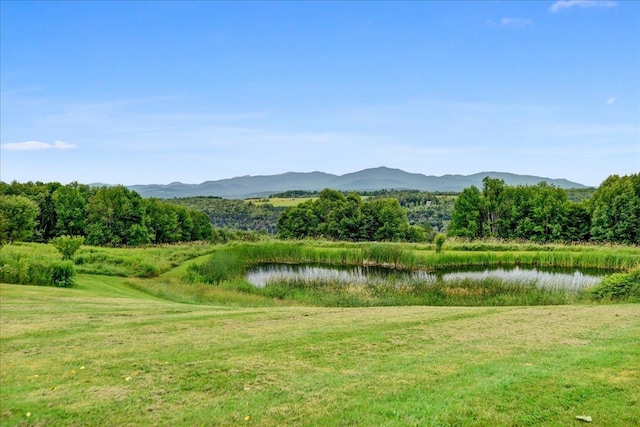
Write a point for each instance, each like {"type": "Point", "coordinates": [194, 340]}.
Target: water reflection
{"type": "Point", "coordinates": [262, 275]}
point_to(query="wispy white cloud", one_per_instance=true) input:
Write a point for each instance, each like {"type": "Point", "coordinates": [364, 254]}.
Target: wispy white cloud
{"type": "Point", "coordinates": [567, 4]}
{"type": "Point", "coordinates": [515, 22]}
{"type": "Point", "coordinates": [510, 22]}
{"type": "Point", "coordinates": [37, 145]}
{"type": "Point", "coordinates": [64, 145]}
{"type": "Point", "coordinates": [611, 100]}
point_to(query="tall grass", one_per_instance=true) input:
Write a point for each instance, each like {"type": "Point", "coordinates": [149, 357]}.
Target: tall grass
{"type": "Point", "coordinates": [413, 257]}
{"type": "Point", "coordinates": [230, 263]}
{"type": "Point", "coordinates": [464, 292]}
{"type": "Point", "coordinates": [24, 264]}
{"type": "Point", "coordinates": [137, 262]}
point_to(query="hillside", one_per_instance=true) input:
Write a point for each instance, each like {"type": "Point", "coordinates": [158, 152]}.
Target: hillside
{"type": "Point", "coordinates": [364, 180]}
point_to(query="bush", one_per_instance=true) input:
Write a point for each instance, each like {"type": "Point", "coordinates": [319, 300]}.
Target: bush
{"type": "Point", "coordinates": [439, 241]}
{"type": "Point", "coordinates": [67, 245]}
{"type": "Point", "coordinates": [33, 271]}
{"type": "Point", "coordinates": [61, 274]}
{"type": "Point", "coordinates": [619, 287]}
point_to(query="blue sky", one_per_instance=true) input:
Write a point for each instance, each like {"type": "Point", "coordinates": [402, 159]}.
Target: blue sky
{"type": "Point", "coordinates": [144, 92]}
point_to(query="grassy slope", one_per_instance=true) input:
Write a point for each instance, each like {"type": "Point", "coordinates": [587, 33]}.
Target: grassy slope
{"type": "Point", "coordinates": [105, 353]}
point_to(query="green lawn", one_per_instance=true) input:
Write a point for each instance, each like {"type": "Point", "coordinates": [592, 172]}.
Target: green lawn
{"type": "Point", "coordinates": [106, 353]}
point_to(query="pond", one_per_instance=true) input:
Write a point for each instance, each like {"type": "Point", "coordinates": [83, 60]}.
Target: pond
{"type": "Point", "coordinates": [569, 279]}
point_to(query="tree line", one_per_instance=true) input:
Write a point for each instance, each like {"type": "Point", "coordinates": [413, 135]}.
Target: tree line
{"type": "Point", "coordinates": [334, 215]}
{"type": "Point", "coordinates": [104, 216]}
{"type": "Point", "coordinates": [544, 213]}
{"type": "Point", "coordinates": [40, 212]}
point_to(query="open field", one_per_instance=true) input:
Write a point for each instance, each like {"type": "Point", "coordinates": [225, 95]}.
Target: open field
{"type": "Point", "coordinates": [280, 201]}
{"type": "Point", "coordinates": [158, 351]}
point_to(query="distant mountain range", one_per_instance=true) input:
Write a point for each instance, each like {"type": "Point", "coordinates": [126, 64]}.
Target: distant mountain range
{"type": "Point", "coordinates": [365, 180]}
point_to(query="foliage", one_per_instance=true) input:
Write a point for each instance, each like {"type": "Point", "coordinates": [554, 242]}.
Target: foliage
{"type": "Point", "coordinates": [439, 241]}
{"type": "Point", "coordinates": [17, 218]}
{"type": "Point", "coordinates": [466, 216]}
{"type": "Point", "coordinates": [615, 210]}
{"type": "Point", "coordinates": [619, 287]}
{"type": "Point", "coordinates": [539, 213]}
{"type": "Point", "coordinates": [112, 216]}
{"type": "Point", "coordinates": [116, 217]}
{"type": "Point", "coordinates": [26, 268]}
{"type": "Point", "coordinates": [234, 214]}
{"type": "Point", "coordinates": [431, 211]}
{"type": "Point", "coordinates": [137, 262]}
{"type": "Point", "coordinates": [336, 216]}
{"type": "Point", "coordinates": [67, 245]}
{"type": "Point", "coordinates": [70, 204]}
{"type": "Point", "coordinates": [579, 194]}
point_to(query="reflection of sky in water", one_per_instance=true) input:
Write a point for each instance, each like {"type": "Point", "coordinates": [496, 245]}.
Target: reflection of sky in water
{"type": "Point", "coordinates": [522, 276]}
{"type": "Point", "coordinates": [260, 276]}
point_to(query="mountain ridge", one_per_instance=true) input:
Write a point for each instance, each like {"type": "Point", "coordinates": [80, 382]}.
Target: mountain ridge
{"type": "Point", "coordinates": [364, 180]}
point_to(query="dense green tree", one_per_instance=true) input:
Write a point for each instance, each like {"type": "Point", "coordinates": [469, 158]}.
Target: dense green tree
{"type": "Point", "coordinates": [41, 194]}
{"type": "Point", "coordinates": [540, 213]}
{"type": "Point", "coordinates": [107, 216]}
{"type": "Point", "coordinates": [116, 217]}
{"type": "Point", "coordinates": [493, 206]}
{"type": "Point", "coordinates": [18, 218]}
{"type": "Point", "coordinates": [615, 210]}
{"type": "Point", "coordinates": [393, 220]}
{"type": "Point", "coordinates": [550, 206]}
{"type": "Point", "coordinates": [162, 221]}
{"type": "Point", "coordinates": [202, 229]}
{"type": "Point", "coordinates": [466, 215]}
{"type": "Point", "coordinates": [185, 224]}
{"type": "Point", "coordinates": [70, 203]}
{"type": "Point", "coordinates": [346, 217]}
{"type": "Point", "coordinates": [576, 223]}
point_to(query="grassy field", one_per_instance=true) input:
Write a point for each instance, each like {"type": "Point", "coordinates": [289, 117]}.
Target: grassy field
{"type": "Point", "coordinates": [281, 201]}
{"type": "Point", "coordinates": [147, 351]}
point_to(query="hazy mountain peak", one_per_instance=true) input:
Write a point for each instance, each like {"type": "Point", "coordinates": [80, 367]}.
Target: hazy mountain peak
{"type": "Point", "coordinates": [364, 180]}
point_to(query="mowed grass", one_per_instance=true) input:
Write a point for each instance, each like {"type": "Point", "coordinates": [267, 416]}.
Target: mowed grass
{"type": "Point", "coordinates": [106, 353]}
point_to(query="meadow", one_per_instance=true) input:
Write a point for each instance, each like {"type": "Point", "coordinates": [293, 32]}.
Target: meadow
{"type": "Point", "coordinates": [123, 347]}
{"type": "Point", "coordinates": [280, 201]}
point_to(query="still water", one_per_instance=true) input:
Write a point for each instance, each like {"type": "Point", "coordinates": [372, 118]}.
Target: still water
{"type": "Point", "coordinates": [571, 279]}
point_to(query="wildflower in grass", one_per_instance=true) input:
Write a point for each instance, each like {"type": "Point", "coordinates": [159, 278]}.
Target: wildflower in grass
{"type": "Point", "coordinates": [28, 414]}
{"type": "Point", "coordinates": [247, 418]}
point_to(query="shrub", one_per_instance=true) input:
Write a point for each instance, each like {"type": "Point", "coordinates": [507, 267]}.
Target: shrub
{"type": "Point", "coordinates": [619, 287]}
{"type": "Point", "coordinates": [33, 271]}
{"type": "Point", "coordinates": [439, 241]}
{"type": "Point", "coordinates": [61, 274]}
{"type": "Point", "coordinates": [67, 245]}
